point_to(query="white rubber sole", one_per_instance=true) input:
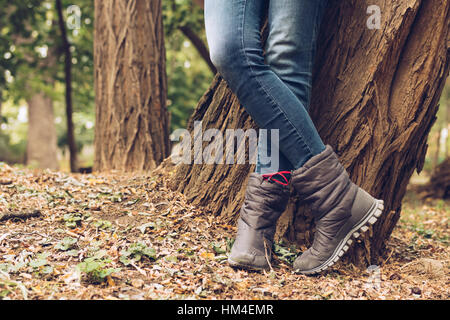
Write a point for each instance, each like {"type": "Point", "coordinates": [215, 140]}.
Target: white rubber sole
{"type": "Point", "coordinates": [371, 217]}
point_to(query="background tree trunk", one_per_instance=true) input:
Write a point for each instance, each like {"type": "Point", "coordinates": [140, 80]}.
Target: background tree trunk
{"type": "Point", "coordinates": [68, 82]}
{"type": "Point", "coordinates": [42, 139]}
{"type": "Point", "coordinates": [132, 122]}
{"type": "Point", "coordinates": [439, 184]}
{"type": "Point", "coordinates": [374, 100]}
{"type": "Point", "coordinates": [435, 158]}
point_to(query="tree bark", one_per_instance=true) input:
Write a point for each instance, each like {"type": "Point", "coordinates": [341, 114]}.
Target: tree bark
{"type": "Point", "coordinates": [446, 95]}
{"type": "Point", "coordinates": [42, 139]}
{"type": "Point", "coordinates": [68, 96]}
{"type": "Point", "coordinates": [132, 122]}
{"type": "Point", "coordinates": [374, 101]}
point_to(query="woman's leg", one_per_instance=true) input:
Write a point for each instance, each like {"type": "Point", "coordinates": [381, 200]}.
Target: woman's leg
{"type": "Point", "coordinates": [233, 34]}
{"type": "Point", "coordinates": [229, 26]}
{"type": "Point", "coordinates": [289, 51]}
{"type": "Point", "coordinates": [291, 44]}
{"type": "Point", "coordinates": [342, 210]}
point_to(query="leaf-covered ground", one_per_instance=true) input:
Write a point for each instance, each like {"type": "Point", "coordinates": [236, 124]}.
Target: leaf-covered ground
{"type": "Point", "coordinates": [118, 236]}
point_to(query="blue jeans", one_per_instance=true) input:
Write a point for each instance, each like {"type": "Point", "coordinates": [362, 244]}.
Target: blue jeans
{"type": "Point", "coordinates": [273, 88]}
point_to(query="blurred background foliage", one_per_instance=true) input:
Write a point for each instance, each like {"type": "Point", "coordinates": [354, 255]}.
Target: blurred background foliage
{"type": "Point", "coordinates": [28, 33]}
{"type": "Point", "coordinates": [29, 36]}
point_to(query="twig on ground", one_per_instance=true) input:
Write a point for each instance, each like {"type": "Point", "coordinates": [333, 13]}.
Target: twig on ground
{"type": "Point", "coordinates": [20, 215]}
{"type": "Point", "coordinates": [139, 269]}
{"type": "Point", "coordinates": [267, 255]}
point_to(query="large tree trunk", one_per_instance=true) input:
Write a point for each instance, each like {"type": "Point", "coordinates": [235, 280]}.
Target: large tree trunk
{"type": "Point", "coordinates": [132, 122]}
{"type": "Point", "coordinates": [42, 140]}
{"type": "Point", "coordinates": [374, 100]}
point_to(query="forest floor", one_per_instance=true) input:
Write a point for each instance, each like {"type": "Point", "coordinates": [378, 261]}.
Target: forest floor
{"type": "Point", "coordinates": [119, 236]}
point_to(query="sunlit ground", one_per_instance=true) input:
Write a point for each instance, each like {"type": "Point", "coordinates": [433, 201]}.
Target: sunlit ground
{"type": "Point", "coordinates": [127, 236]}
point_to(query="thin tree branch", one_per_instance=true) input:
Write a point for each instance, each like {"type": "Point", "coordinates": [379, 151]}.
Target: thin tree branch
{"type": "Point", "coordinates": [68, 80]}
{"type": "Point", "coordinates": [200, 3]}
{"type": "Point", "coordinates": [199, 45]}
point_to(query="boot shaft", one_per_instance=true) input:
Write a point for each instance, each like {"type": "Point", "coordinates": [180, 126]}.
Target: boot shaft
{"type": "Point", "coordinates": [324, 184]}
{"type": "Point", "coordinates": [264, 202]}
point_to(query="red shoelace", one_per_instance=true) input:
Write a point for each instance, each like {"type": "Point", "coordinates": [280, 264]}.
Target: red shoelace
{"type": "Point", "coordinates": [283, 174]}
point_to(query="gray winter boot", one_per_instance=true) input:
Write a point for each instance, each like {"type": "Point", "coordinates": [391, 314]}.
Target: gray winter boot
{"type": "Point", "coordinates": [341, 210]}
{"type": "Point", "coordinates": [264, 202]}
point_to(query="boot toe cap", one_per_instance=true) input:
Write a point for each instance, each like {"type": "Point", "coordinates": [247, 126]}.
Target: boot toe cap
{"type": "Point", "coordinates": [306, 262]}
{"type": "Point", "coordinates": [244, 259]}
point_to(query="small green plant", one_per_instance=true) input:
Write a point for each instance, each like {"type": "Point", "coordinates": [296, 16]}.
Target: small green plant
{"type": "Point", "coordinates": [218, 248]}
{"type": "Point", "coordinates": [95, 267]}
{"type": "Point", "coordinates": [172, 259]}
{"type": "Point", "coordinates": [187, 251]}
{"type": "Point", "coordinates": [66, 244]}
{"type": "Point", "coordinates": [73, 219]}
{"type": "Point", "coordinates": [95, 270]}
{"type": "Point", "coordinates": [420, 230]}
{"type": "Point", "coordinates": [102, 224]}
{"type": "Point", "coordinates": [12, 267]}
{"type": "Point", "coordinates": [8, 286]}
{"type": "Point", "coordinates": [40, 264]}
{"type": "Point", "coordinates": [286, 254]}
{"type": "Point", "coordinates": [117, 197]}
{"type": "Point", "coordinates": [229, 244]}
{"type": "Point", "coordinates": [440, 204]}
{"type": "Point", "coordinates": [135, 253]}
